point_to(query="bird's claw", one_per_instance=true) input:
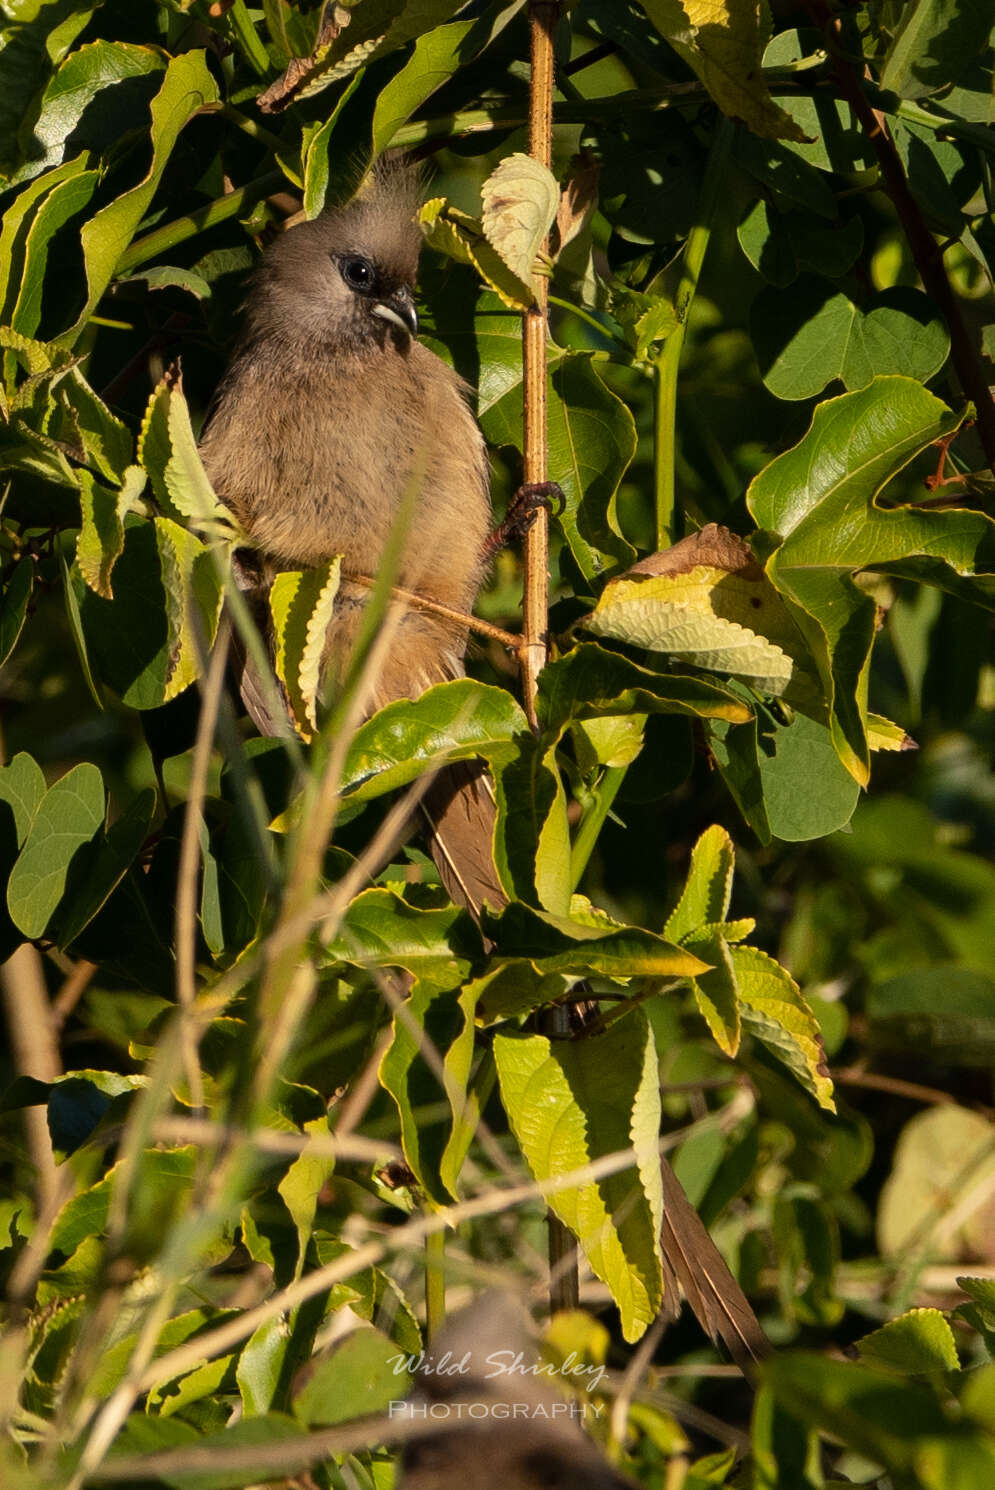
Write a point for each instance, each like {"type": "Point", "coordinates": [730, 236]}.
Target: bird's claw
{"type": "Point", "coordinates": [523, 509]}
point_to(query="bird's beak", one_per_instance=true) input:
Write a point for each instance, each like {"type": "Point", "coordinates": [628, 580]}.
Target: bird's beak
{"type": "Point", "coordinates": [399, 309]}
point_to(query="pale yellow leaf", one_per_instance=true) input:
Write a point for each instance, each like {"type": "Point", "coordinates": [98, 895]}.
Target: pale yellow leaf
{"type": "Point", "coordinates": [520, 199]}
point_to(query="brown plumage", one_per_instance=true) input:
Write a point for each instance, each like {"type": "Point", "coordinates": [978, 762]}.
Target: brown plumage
{"type": "Point", "coordinates": [330, 417]}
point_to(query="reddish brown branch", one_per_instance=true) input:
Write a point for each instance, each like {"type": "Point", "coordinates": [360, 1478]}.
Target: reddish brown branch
{"type": "Point", "coordinates": [928, 254]}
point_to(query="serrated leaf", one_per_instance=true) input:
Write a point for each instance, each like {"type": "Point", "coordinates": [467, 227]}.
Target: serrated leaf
{"type": "Point", "coordinates": [168, 451]}
{"type": "Point", "coordinates": [591, 945]}
{"type": "Point", "coordinates": [916, 1342]}
{"type": "Point", "coordinates": [826, 511]}
{"type": "Point", "coordinates": [187, 86]}
{"type": "Point", "coordinates": [716, 992]}
{"type": "Point", "coordinates": [570, 1102]}
{"type": "Point", "coordinates": [194, 592]}
{"type": "Point", "coordinates": [69, 815]}
{"type": "Point", "coordinates": [591, 683]}
{"type": "Point", "coordinates": [520, 199]}
{"type": "Point", "coordinates": [301, 605]}
{"type": "Point", "coordinates": [772, 1008]}
{"type": "Point", "coordinates": [722, 41]}
{"type": "Point", "coordinates": [708, 887]}
{"type": "Point", "coordinates": [707, 602]}
{"type": "Point", "coordinates": [101, 538]}
{"type": "Point", "coordinates": [461, 237]}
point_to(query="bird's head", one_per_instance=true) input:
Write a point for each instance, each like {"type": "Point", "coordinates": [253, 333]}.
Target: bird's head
{"type": "Point", "coordinates": [345, 281]}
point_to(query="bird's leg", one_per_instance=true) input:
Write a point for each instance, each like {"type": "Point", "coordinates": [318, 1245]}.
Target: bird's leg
{"type": "Point", "coordinates": [522, 510]}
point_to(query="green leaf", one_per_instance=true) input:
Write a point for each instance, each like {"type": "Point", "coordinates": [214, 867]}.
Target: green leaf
{"type": "Point", "coordinates": [22, 787]}
{"type": "Point", "coordinates": [716, 992]}
{"type": "Point", "coordinates": [301, 604]}
{"type": "Point", "coordinates": [318, 154]}
{"type": "Point", "coordinates": [531, 836]}
{"type": "Point", "coordinates": [381, 930]}
{"type": "Point", "coordinates": [586, 942]}
{"type": "Point", "coordinates": [360, 1377]}
{"type": "Point", "coordinates": [462, 238]}
{"type": "Point", "coordinates": [437, 55]}
{"type": "Point", "coordinates": [590, 683]}
{"type": "Point", "coordinates": [449, 722]}
{"type": "Point", "coordinates": [807, 338]}
{"type": "Point", "coordinates": [187, 87]}
{"type": "Point", "coordinates": [916, 1342]}
{"type": "Point", "coordinates": [120, 74]}
{"type": "Point", "coordinates": [69, 815]}
{"type": "Point", "coordinates": [570, 1102]}
{"type": "Point", "coordinates": [106, 441]}
{"type": "Point", "coordinates": [14, 603]}
{"type": "Point", "coordinates": [773, 1009]}
{"type": "Point", "coordinates": [127, 637]}
{"type": "Point", "coordinates": [30, 44]}
{"type": "Point", "coordinates": [780, 244]}
{"type": "Point", "coordinates": [807, 790]}
{"type": "Point", "coordinates": [17, 221]}
{"type": "Point", "coordinates": [434, 1016]}
{"type": "Point", "coordinates": [878, 1415]}
{"type": "Point", "coordinates": [934, 43]}
{"type": "Point", "coordinates": [826, 512]}
{"type": "Point", "coordinates": [104, 866]}
{"type": "Point", "coordinates": [101, 537]}
{"type": "Point", "coordinates": [194, 591]}
{"type": "Point", "coordinates": [302, 1185]}
{"type": "Point", "coordinates": [708, 887]}
{"type": "Point", "coordinates": [67, 190]}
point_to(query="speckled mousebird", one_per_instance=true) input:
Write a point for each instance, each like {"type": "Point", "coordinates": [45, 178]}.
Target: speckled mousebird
{"type": "Point", "coordinates": [329, 413]}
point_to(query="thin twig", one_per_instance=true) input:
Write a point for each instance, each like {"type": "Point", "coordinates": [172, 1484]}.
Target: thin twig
{"type": "Point", "coordinates": [36, 1053]}
{"type": "Point", "coordinates": [72, 990]}
{"type": "Point", "coordinates": [188, 875]}
{"type": "Point", "coordinates": [926, 252]}
{"type": "Point", "coordinates": [436, 608]}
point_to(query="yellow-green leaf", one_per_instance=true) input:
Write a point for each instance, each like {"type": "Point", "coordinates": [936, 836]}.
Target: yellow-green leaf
{"type": "Point", "coordinates": [722, 41]}
{"type": "Point", "coordinates": [773, 1009]}
{"type": "Point", "coordinates": [707, 601]}
{"type": "Point", "coordinates": [194, 592]}
{"type": "Point", "coordinates": [301, 604]}
{"type": "Point", "coordinates": [461, 237]}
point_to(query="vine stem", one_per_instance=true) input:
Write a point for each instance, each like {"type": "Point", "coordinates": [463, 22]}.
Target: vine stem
{"type": "Point", "coordinates": [669, 519]}
{"type": "Point", "coordinates": [926, 252]}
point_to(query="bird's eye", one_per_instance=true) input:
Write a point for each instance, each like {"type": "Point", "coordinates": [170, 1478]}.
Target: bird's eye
{"type": "Point", "coordinates": [358, 274]}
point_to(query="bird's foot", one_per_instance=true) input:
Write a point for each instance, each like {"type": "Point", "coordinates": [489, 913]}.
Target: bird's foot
{"type": "Point", "coordinates": [523, 509]}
